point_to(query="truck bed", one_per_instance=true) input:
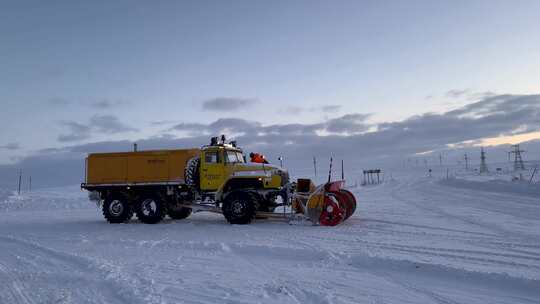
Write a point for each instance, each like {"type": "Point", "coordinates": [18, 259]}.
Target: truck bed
{"type": "Point", "coordinates": [144, 167]}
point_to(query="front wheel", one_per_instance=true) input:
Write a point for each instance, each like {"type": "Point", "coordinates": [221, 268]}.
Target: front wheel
{"type": "Point", "coordinates": [239, 207]}
{"type": "Point", "coordinates": [151, 210]}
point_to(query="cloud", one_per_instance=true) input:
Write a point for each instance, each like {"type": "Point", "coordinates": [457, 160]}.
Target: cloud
{"type": "Point", "coordinates": [101, 104]}
{"type": "Point", "coordinates": [508, 105]}
{"type": "Point", "coordinates": [228, 104]}
{"type": "Point", "coordinates": [162, 122]}
{"type": "Point", "coordinates": [457, 93]}
{"type": "Point", "coordinates": [77, 132]}
{"type": "Point", "coordinates": [330, 108]}
{"type": "Point", "coordinates": [295, 110]}
{"type": "Point", "coordinates": [489, 117]}
{"type": "Point", "coordinates": [345, 137]}
{"type": "Point", "coordinates": [104, 124]}
{"type": "Point", "coordinates": [220, 126]}
{"type": "Point", "coordinates": [106, 103]}
{"type": "Point", "coordinates": [350, 124]}
{"type": "Point", "coordinates": [109, 124]}
{"type": "Point", "coordinates": [58, 101]}
{"type": "Point", "coordinates": [468, 94]}
{"type": "Point", "coordinates": [191, 129]}
{"type": "Point", "coordinates": [11, 146]}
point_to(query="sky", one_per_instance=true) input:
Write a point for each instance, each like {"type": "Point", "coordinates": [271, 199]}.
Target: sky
{"type": "Point", "coordinates": [88, 76]}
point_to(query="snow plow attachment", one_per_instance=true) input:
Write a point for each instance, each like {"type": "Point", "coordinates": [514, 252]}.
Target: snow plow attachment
{"type": "Point", "coordinates": [326, 205]}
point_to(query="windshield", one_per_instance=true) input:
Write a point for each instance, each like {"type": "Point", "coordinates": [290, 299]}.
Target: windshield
{"type": "Point", "coordinates": [234, 157]}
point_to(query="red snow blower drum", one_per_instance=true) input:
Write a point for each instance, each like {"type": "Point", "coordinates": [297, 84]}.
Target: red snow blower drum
{"type": "Point", "coordinates": [332, 212]}
{"type": "Point", "coordinates": [346, 201]}
{"type": "Point", "coordinates": [330, 205]}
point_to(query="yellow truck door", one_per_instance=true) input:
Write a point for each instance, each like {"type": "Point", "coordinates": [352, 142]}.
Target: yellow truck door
{"type": "Point", "coordinates": [213, 171]}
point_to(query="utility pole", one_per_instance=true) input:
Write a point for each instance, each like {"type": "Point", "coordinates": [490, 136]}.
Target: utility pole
{"type": "Point", "coordinates": [342, 171]}
{"type": "Point", "coordinates": [440, 159]}
{"type": "Point", "coordinates": [30, 183]}
{"type": "Point", "coordinates": [330, 171]}
{"type": "Point", "coordinates": [518, 161]}
{"type": "Point", "coordinates": [483, 165]}
{"type": "Point", "coordinates": [20, 179]}
{"type": "Point", "coordinates": [315, 165]}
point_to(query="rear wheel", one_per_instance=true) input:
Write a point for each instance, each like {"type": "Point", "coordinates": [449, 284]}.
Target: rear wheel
{"type": "Point", "coordinates": [116, 210]}
{"type": "Point", "coordinates": [151, 210]}
{"type": "Point", "coordinates": [239, 207]}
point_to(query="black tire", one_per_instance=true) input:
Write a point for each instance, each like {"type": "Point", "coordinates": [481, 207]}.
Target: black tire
{"type": "Point", "coordinates": [151, 210]}
{"type": "Point", "coordinates": [179, 213]}
{"type": "Point", "coordinates": [239, 207]}
{"type": "Point", "coordinates": [116, 209]}
{"type": "Point", "coordinates": [192, 173]}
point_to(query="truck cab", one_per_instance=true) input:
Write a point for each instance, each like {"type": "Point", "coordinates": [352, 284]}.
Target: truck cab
{"type": "Point", "coordinates": [223, 168]}
{"type": "Point", "coordinates": [217, 165]}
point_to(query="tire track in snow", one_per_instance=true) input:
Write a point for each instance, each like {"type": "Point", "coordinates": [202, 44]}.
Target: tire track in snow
{"type": "Point", "coordinates": [443, 229]}
{"type": "Point", "coordinates": [49, 276]}
{"type": "Point", "coordinates": [429, 279]}
{"type": "Point", "coordinates": [465, 254]}
{"type": "Point", "coordinates": [491, 243]}
{"type": "Point", "coordinates": [404, 192]}
{"type": "Point", "coordinates": [15, 293]}
{"type": "Point", "coordinates": [281, 283]}
{"type": "Point", "coordinates": [499, 247]}
{"type": "Point", "coordinates": [498, 262]}
{"type": "Point", "coordinates": [500, 203]}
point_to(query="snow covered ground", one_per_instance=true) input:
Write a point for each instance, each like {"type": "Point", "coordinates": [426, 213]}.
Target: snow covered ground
{"type": "Point", "coordinates": [414, 239]}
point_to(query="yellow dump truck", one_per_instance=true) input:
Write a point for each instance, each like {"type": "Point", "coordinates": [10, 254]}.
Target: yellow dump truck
{"type": "Point", "coordinates": [215, 178]}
